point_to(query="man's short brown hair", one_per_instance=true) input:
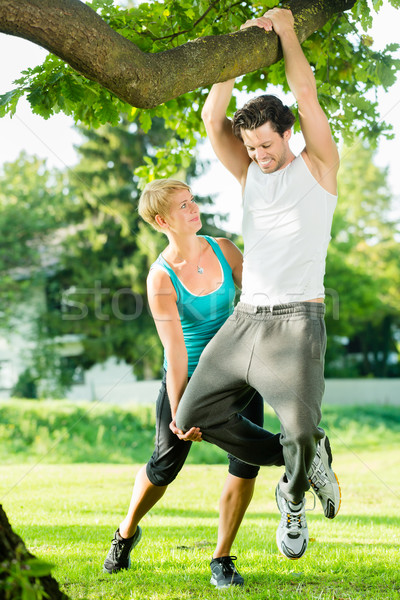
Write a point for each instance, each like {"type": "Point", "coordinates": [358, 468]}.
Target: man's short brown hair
{"type": "Point", "coordinates": [261, 110]}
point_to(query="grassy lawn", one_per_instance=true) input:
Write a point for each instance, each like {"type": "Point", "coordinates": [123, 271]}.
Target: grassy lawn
{"type": "Point", "coordinates": [67, 513]}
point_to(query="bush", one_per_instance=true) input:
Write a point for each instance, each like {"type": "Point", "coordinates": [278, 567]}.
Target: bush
{"type": "Point", "coordinates": [65, 432]}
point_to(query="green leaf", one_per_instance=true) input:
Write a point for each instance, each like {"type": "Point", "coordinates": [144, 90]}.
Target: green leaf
{"type": "Point", "coordinates": [9, 101]}
{"type": "Point", "coordinates": [377, 4]}
{"type": "Point", "coordinates": [145, 120]}
{"type": "Point", "coordinates": [38, 568]}
{"type": "Point", "coordinates": [107, 113]}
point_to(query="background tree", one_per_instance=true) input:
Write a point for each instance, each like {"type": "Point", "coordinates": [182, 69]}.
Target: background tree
{"type": "Point", "coordinates": [88, 279]}
{"type": "Point", "coordinates": [33, 221]}
{"type": "Point", "coordinates": [31, 210]}
{"type": "Point", "coordinates": [363, 270]}
{"type": "Point", "coordinates": [74, 257]}
{"type": "Point", "coordinates": [99, 289]}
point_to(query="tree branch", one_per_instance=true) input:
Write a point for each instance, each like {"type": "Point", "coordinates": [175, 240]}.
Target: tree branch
{"type": "Point", "coordinates": [75, 33]}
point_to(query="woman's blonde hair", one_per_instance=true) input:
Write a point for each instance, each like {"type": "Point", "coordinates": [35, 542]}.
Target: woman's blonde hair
{"type": "Point", "coordinates": [156, 199]}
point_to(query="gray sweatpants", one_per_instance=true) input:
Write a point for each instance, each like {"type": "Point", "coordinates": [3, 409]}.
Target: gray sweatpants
{"type": "Point", "coordinates": [280, 353]}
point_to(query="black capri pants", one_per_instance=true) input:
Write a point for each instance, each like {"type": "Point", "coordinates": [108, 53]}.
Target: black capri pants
{"type": "Point", "coordinates": [170, 452]}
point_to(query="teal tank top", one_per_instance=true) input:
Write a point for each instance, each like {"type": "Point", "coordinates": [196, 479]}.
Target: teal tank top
{"type": "Point", "coordinates": [201, 316]}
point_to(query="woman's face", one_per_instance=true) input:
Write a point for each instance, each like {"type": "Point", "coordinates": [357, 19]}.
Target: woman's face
{"type": "Point", "coordinates": [184, 213]}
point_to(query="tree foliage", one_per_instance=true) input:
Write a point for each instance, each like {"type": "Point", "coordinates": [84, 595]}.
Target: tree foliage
{"type": "Point", "coordinates": [363, 273]}
{"type": "Point", "coordinates": [95, 285]}
{"type": "Point", "coordinates": [74, 257]}
{"type": "Point", "coordinates": [99, 291]}
{"type": "Point", "coordinates": [31, 210]}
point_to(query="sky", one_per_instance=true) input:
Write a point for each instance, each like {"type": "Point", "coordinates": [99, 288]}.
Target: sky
{"type": "Point", "coordinates": [54, 139]}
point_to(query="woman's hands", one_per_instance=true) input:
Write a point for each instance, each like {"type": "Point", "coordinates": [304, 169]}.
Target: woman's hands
{"type": "Point", "coordinates": [193, 435]}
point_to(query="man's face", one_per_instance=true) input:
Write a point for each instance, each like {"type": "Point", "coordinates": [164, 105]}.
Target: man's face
{"type": "Point", "coordinates": [267, 148]}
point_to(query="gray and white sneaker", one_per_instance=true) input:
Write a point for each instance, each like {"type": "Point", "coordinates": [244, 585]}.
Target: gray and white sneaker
{"type": "Point", "coordinates": [323, 480]}
{"type": "Point", "coordinates": [292, 532]}
{"type": "Point", "coordinates": [118, 556]}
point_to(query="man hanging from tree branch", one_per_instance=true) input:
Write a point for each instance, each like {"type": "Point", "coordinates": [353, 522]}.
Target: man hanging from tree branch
{"type": "Point", "coordinates": [275, 340]}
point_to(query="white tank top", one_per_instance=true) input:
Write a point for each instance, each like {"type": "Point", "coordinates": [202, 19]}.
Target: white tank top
{"type": "Point", "coordinates": [287, 219]}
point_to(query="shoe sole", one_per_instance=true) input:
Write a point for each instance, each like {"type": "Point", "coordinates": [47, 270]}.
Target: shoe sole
{"type": "Point", "coordinates": [293, 557]}
{"type": "Point", "coordinates": [112, 571]}
{"type": "Point", "coordinates": [224, 587]}
{"type": "Point", "coordinates": [326, 457]}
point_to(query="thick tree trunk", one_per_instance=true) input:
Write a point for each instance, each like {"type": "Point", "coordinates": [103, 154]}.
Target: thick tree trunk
{"type": "Point", "coordinates": [75, 33]}
{"type": "Point", "coordinates": [12, 548]}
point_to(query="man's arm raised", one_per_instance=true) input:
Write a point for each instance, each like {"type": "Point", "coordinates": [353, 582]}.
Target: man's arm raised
{"type": "Point", "coordinates": [320, 152]}
{"type": "Point", "coordinates": [228, 148]}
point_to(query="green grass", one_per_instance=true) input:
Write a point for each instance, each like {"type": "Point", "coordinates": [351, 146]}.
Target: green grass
{"type": "Point", "coordinates": [67, 513]}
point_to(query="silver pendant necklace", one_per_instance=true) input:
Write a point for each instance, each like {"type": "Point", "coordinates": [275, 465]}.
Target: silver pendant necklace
{"type": "Point", "coordinates": [200, 270]}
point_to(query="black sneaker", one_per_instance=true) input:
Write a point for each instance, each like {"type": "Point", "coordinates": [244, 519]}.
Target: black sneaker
{"type": "Point", "coordinates": [118, 556]}
{"type": "Point", "coordinates": [224, 573]}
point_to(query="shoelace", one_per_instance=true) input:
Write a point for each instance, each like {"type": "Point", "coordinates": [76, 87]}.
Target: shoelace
{"type": "Point", "coordinates": [313, 494]}
{"type": "Point", "coordinates": [228, 568]}
{"type": "Point", "coordinates": [295, 520]}
{"type": "Point", "coordinates": [118, 548]}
